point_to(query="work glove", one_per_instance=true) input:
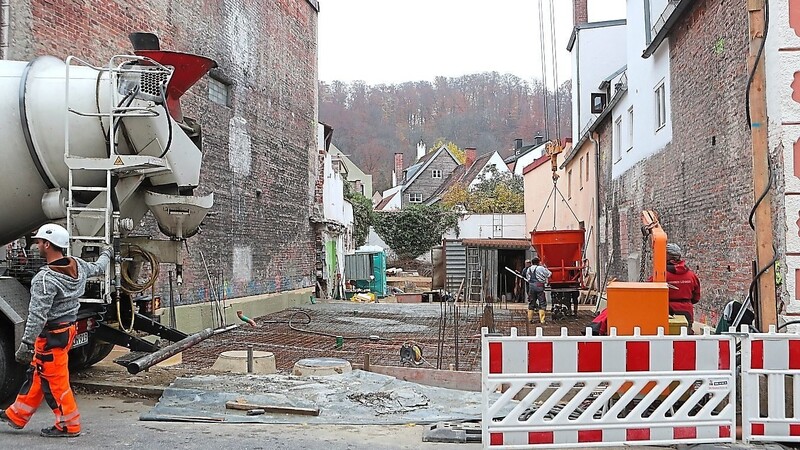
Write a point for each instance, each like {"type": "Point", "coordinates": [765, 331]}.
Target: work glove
{"type": "Point", "coordinates": [24, 354]}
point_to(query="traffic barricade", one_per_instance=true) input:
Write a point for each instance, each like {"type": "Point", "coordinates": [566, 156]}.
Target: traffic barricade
{"type": "Point", "coordinates": [563, 391]}
{"type": "Point", "coordinates": [770, 387]}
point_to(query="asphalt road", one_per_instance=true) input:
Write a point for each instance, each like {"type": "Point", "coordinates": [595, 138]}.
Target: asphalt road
{"type": "Point", "coordinates": [110, 422]}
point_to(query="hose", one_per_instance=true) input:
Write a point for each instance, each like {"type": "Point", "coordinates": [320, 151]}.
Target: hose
{"type": "Point", "coordinates": [169, 120]}
{"type": "Point", "coordinates": [291, 322]}
{"type": "Point", "coordinates": [119, 316]}
{"type": "Point", "coordinates": [134, 287]}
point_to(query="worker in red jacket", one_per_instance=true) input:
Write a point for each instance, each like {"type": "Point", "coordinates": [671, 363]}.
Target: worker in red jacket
{"type": "Point", "coordinates": [685, 286]}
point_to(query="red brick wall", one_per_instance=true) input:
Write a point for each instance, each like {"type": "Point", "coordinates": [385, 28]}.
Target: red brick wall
{"type": "Point", "coordinates": [268, 50]}
{"type": "Point", "coordinates": [701, 183]}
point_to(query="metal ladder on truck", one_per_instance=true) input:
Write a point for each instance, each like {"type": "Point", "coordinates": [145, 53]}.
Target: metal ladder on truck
{"type": "Point", "coordinates": [101, 206]}
{"type": "Point", "coordinates": [474, 276]}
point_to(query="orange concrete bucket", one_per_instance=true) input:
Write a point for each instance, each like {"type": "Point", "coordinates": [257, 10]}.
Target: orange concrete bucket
{"type": "Point", "coordinates": [562, 252]}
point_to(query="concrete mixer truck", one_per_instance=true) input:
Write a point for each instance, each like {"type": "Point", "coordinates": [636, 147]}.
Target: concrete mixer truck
{"type": "Point", "coordinates": [97, 147]}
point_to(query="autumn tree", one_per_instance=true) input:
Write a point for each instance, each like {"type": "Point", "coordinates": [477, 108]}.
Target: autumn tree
{"type": "Point", "coordinates": [460, 155]}
{"type": "Point", "coordinates": [485, 110]}
{"type": "Point", "coordinates": [414, 230]}
{"type": "Point", "coordinates": [494, 193]}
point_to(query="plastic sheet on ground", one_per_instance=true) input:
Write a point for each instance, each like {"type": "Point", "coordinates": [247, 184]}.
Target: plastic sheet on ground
{"type": "Point", "coordinates": [354, 398]}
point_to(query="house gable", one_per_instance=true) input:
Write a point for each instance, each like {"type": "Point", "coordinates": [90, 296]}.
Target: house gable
{"type": "Point", "coordinates": [421, 185]}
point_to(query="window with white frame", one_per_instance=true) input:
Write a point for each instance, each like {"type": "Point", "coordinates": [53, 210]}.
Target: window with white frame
{"type": "Point", "coordinates": [617, 139]}
{"type": "Point", "coordinates": [415, 198]}
{"type": "Point", "coordinates": [436, 173]}
{"type": "Point", "coordinates": [569, 184]}
{"type": "Point", "coordinates": [630, 128]}
{"type": "Point", "coordinates": [587, 167]}
{"type": "Point", "coordinates": [661, 105]}
{"type": "Point", "coordinates": [580, 178]}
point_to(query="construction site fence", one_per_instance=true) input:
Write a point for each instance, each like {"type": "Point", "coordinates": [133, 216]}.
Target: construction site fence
{"type": "Point", "coordinates": [770, 386]}
{"type": "Point", "coordinates": [591, 391]}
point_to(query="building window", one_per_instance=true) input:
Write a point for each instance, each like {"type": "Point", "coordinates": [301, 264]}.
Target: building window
{"type": "Point", "coordinates": [598, 103]}
{"type": "Point", "coordinates": [661, 106]}
{"type": "Point", "coordinates": [580, 178]}
{"type": "Point", "coordinates": [617, 139]}
{"type": "Point", "coordinates": [630, 128]}
{"type": "Point", "coordinates": [415, 198]}
{"type": "Point", "coordinates": [219, 91]}
{"type": "Point", "coordinates": [436, 173]}
{"type": "Point", "coordinates": [569, 184]}
{"type": "Point", "coordinates": [587, 167]}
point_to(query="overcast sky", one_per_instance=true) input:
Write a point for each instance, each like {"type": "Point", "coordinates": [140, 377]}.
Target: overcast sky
{"type": "Point", "coordinates": [380, 41]}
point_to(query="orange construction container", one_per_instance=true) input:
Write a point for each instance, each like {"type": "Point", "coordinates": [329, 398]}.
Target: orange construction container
{"type": "Point", "coordinates": [562, 252]}
{"type": "Point", "coordinates": [643, 305]}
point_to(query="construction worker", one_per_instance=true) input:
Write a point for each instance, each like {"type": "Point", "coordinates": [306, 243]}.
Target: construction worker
{"type": "Point", "coordinates": [536, 274]}
{"type": "Point", "coordinates": [685, 290]}
{"type": "Point", "coordinates": [49, 332]}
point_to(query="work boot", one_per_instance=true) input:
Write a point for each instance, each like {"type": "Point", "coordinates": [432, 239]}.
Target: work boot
{"type": "Point", "coordinates": [541, 315]}
{"type": "Point", "coordinates": [55, 432]}
{"type": "Point", "coordinates": [530, 316]}
{"type": "Point", "coordinates": [4, 417]}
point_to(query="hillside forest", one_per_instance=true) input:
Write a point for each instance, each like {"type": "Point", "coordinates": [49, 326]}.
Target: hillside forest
{"type": "Point", "coordinates": [487, 111]}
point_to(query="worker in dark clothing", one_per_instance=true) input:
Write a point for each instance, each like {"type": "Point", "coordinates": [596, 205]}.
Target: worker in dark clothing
{"type": "Point", "coordinates": [49, 332]}
{"type": "Point", "coordinates": [684, 292]}
{"type": "Point", "coordinates": [536, 276]}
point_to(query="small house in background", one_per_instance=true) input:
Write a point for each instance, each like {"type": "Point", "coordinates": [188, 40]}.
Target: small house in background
{"type": "Point", "coordinates": [473, 171]}
{"type": "Point", "coordinates": [519, 156]}
{"type": "Point", "coordinates": [476, 258]}
{"type": "Point", "coordinates": [359, 181]}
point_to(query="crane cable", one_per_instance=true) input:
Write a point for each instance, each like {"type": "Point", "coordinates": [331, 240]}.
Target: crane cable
{"type": "Point", "coordinates": [557, 104]}
{"type": "Point", "coordinates": [543, 59]}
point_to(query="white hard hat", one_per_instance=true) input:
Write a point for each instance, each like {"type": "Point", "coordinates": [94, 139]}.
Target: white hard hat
{"type": "Point", "coordinates": [56, 234]}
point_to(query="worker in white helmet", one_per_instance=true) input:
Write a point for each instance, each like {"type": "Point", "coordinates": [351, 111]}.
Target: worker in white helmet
{"type": "Point", "coordinates": [49, 332]}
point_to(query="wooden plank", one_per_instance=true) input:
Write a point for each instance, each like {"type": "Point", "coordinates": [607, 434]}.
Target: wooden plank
{"type": "Point", "coordinates": [242, 406]}
{"type": "Point", "coordinates": [767, 309]}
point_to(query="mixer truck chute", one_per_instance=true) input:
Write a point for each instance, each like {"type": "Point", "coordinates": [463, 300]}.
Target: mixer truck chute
{"type": "Point", "coordinates": [97, 147]}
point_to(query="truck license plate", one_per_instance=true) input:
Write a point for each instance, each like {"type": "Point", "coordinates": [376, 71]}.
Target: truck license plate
{"type": "Point", "coordinates": [80, 339]}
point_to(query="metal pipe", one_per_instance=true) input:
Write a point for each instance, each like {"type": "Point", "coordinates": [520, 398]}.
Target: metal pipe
{"type": "Point", "coordinates": [596, 143]}
{"type": "Point", "coordinates": [250, 358]}
{"type": "Point", "coordinates": [5, 25]}
{"type": "Point", "coordinates": [156, 357]}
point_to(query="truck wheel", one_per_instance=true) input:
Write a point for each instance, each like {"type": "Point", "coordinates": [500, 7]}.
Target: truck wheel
{"type": "Point", "coordinates": [11, 373]}
{"type": "Point", "coordinates": [89, 354]}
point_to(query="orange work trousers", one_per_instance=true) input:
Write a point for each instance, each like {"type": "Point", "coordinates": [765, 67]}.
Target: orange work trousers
{"type": "Point", "coordinates": [48, 379]}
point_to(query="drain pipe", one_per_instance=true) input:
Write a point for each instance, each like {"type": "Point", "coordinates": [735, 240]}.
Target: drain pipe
{"type": "Point", "coordinates": [596, 143]}
{"type": "Point", "coordinates": [5, 24]}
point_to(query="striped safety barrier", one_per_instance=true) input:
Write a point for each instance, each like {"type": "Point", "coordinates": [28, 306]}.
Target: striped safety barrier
{"type": "Point", "coordinates": [563, 391]}
{"type": "Point", "coordinates": [771, 365]}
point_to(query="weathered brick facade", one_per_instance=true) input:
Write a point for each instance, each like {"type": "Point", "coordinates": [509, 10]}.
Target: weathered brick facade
{"type": "Point", "coordinates": [264, 140]}
{"type": "Point", "coordinates": [701, 183]}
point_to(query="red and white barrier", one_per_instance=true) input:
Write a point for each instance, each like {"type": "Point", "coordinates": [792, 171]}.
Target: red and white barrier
{"type": "Point", "coordinates": [771, 360]}
{"type": "Point", "coordinates": [607, 390]}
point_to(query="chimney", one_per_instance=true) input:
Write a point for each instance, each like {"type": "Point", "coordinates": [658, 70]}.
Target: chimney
{"type": "Point", "coordinates": [398, 168]}
{"type": "Point", "coordinates": [471, 154]}
{"type": "Point", "coordinates": [580, 12]}
{"type": "Point", "coordinates": [422, 149]}
{"type": "Point", "coordinates": [517, 145]}
{"type": "Point", "coordinates": [538, 139]}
